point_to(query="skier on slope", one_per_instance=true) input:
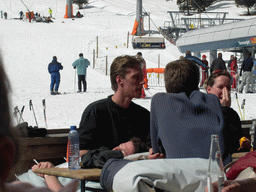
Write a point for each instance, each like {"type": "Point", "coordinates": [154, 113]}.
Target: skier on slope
{"type": "Point", "coordinates": [50, 12]}
{"type": "Point", "coordinates": [5, 15]}
{"type": "Point", "coordinates": [21, 15]}
{"type": "Point", "coordinates": [53, 68]}
{"type": "Point", "coordinates": [81, 64]}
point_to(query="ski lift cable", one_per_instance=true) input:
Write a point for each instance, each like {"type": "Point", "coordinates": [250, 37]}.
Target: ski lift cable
{"type": "Point", "coordinates": [25, 5]}
{"type": "Point", "coordinates": [150, 18]}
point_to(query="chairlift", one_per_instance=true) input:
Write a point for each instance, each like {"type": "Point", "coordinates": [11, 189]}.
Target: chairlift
{"type": "Point", "coordinates": [148, 42]}
{"type": "Point", "coordinates": [139, 40]}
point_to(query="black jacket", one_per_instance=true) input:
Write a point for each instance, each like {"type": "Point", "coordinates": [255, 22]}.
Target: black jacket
{"type": "Point", "coordinates": [232, 131]}
{"type": "Point", "coordinates": [104, 123]}
{"type": "Point", "coordinates": [247, 65]}
{"type": "Point", "coordinates": [98, 157]}
{"type": "Point", "coordinates": [218, 63]}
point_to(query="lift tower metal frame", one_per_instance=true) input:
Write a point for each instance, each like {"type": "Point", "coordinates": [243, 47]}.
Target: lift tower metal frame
{"type": "Point", "coordinates": [138, 32]}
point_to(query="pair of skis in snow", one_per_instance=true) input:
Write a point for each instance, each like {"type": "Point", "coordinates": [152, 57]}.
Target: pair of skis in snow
{"type": "Point", "coordinates": [242, 115]}
{"type": "Point", "coordinates": [31, 107]}
{"type": "Point", "coordinates": [18, 114]}
{"type": "Point", "coordinates": [66, 93]}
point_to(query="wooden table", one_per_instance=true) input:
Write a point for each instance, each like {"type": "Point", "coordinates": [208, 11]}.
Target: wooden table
{"type": "Point", "coordinates": [81, 174]}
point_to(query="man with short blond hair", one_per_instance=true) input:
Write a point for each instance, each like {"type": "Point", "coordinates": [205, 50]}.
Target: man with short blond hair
{"type": "Point", "coordinates": [114, 120]}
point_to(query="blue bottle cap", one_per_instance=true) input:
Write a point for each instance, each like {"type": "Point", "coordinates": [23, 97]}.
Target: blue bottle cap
{"type": "Point", "coordinates": [73, 127]}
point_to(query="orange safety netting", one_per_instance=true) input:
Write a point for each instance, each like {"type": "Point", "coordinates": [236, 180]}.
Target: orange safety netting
{"type": "Point", "coordinates": [155, 70]}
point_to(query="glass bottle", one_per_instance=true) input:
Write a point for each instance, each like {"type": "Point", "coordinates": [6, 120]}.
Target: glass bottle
{"type": "Point", "coordinates": [215, 168]}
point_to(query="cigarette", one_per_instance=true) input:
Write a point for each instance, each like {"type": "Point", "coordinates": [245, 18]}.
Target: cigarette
{"type": "Point", "coordinates": [35, 161]}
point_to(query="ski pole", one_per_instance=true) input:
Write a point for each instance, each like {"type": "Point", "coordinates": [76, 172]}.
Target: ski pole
{"type": "Point", "coordinates": [21, 113]}
{"type": "Point", "coordinates": [31, 106]}
{"type": "Point", "coordinates": [43, 102]}
{"type": "Point", "coordinates": [238, 104]}
{"type": "Point", "coordinates": [75, 82]}
{"type": "Point", "coordinates": [15, 113]}
{"type": "Point", "coordinates": [242, 107]}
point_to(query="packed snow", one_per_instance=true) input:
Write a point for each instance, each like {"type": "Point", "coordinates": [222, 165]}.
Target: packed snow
{"type": "Point", "coordinates": [28, 48]}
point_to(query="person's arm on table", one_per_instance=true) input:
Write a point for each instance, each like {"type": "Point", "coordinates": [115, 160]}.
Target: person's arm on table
{"type": "Point", "coordinates": [51, 181]}
{"type": "Point", "coordinates": [82, 152]}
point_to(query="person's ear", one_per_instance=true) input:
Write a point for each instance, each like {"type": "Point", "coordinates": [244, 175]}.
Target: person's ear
{"type": "Point", "coordinates": [208, 89]}
{"type": "Point", "coordinates": [7, 150]}
{"type": "Point", "coordinates": [119, 80]}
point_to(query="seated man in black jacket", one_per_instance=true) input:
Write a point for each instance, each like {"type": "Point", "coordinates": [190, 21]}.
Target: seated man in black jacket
{"type": "Point", "coordinates": [114, 120]}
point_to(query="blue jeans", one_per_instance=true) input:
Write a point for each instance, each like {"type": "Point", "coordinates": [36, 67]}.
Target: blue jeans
{"type": "Point", "coordinates": [55, 80]}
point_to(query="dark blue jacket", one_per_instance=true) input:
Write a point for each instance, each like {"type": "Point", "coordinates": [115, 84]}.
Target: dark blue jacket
{"type": "Point", "coordinates": [54, 66]}
{"type": "Point", "coordinates": [247, 65]}
{"type": "Point", "coordinates": [181, 126]}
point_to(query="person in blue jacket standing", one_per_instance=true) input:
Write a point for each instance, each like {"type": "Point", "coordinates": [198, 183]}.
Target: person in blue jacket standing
{"type": "Point", "coordinates": [81, 64]}
{"type": "Point", "coordinates": [54, 67]}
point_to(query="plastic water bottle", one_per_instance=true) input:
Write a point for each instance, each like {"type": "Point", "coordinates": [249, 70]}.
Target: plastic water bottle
{"type": "Point", "coordinates": [215, 168]}
{"type": "Point", "coordinates": [73, 148]}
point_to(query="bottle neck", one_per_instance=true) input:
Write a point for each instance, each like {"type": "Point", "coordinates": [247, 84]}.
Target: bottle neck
{"type": "Point", "coordinates": [73, 128]}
